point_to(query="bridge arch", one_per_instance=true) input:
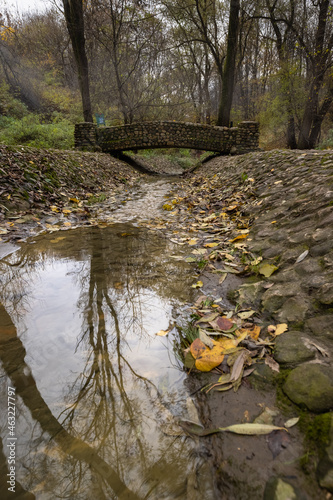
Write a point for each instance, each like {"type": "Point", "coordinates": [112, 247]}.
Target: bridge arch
{"type": "Point", "coordinates": [168, 134]}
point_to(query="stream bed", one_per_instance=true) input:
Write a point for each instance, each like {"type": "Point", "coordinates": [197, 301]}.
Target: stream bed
{"type": "Point", "coordinates": [92, 390]}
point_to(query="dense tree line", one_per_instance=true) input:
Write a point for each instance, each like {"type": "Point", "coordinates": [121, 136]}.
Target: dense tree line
{"type": "Point", "coordinates": [211, 61]}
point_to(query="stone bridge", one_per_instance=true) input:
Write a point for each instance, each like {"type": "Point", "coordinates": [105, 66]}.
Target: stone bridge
{"type": "Point", "coordinates": [168, 134]}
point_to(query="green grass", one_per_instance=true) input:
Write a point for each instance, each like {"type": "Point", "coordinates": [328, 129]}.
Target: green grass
{"type": "Point", "coordinates": [30, 131]}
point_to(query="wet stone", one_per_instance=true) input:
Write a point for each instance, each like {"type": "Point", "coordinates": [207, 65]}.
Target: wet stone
{"type": "Point", "coordinates": [290, 349]}
{"type": "Point", "coordinates": [321, 326]}
{"type": "Point", "coordinates": [274, 298]}
{"type": "Point", "coordinates": [326, 294]}
{"type": "Point", "coordinates": [250, 293]}
{"type": "Point", "coordinates": [321, 249]}
{"type": "Point", "coordinates": [294, 310]}
{"type": "Point", "coordinates": [325, 466]}
{"type": "Point", "coordinates": [311, 385]}
{"type": "Point", "coordinates": [280, 489]}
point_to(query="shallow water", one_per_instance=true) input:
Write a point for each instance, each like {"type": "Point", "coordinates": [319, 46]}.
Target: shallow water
{"type": "Point", "coordinates": [96, 390]}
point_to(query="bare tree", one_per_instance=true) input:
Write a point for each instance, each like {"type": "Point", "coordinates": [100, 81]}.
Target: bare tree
{"type": "Point", "coordinates": [73, 10]}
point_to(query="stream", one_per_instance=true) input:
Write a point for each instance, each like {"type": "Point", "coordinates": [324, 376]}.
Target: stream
{"type": "Point", "coordinates": [93, 393]}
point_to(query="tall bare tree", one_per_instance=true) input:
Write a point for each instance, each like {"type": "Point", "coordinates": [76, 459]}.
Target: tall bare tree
{"type": "Point", "coordinates": [73, 10]}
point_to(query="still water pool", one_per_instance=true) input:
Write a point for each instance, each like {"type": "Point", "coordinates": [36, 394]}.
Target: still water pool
{"type": "Point", "coordinates": [95, 389]}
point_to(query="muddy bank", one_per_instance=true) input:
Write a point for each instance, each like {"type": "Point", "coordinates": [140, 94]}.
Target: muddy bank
{"type": "Point", "coordinates": [288, 200]}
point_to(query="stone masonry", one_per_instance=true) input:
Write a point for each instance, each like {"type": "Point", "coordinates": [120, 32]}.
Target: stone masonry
{"type": "Point", "coordinates": [168, 134]}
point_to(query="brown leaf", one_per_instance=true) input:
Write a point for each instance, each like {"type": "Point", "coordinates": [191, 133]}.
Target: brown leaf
{"type": "Point", "coordinates": [272, 364]}
{"type": "Point", "coordinates": [277, 441]}
{"type": "Point", "coordinates": [197, 347]}
{"type": "Point", "coordinates": [238, 366]}
{"type": "Point", "coordinates": [221, 323]}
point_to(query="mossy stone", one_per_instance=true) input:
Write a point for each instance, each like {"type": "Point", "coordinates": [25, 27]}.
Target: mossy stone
{"type": "Point", "coordinates": [321, 326]}
{"type": "Point", "coordinates": [325, 466]}
{"type": "Point", "coordinates": [290, 349]}
{"type": "Point", "coordinates": [311, 385]}
{"type": "Point", "coordinates": [250, 293]}
{"type": "Point", "coordinates": [293, 310]}
{"type": "Point", "coordinates": [278, 489]}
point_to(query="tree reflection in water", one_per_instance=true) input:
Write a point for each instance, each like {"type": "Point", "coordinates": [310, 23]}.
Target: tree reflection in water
{"type": "Point", "coordinates": [99, 420]}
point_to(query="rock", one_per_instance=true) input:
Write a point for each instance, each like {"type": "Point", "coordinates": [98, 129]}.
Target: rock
{"type": "Point", "coordinates": [321, 326]}
{"type": "Point", "coordinates": [279, 489]}
{"type": "Point", "coordinates": [326, 294]}
{"type": "Point", "coordinates": [290, 349]}
{"type": "Point", "coordinates": [325, 466]}
{"type": "Point", "coordinates": [262, 376]}
{"type": "Point", "coordinates": [311, 385]}
{"type": "Point", "coordinates": [249, 294]}
{"type": "Point", "coordinates": [293, 309]}
{"type": "Point", "coordinates": [274, 298]}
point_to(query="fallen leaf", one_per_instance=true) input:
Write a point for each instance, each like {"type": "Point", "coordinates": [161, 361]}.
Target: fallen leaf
{"type": "Point", "coordinates": [239, 237]}
{"type": "Point", "coordinates": [322, 351]}
{"type": "Point", "coordinates": [281, 328]}
{"type": "Point", "coordinates": [251, 429]}
{"type": "Point", "coordinates": [291, 422]}
{"type": "Point", "coordinates": [302, 256]}
{"type": "Point", "coordinates": [189, 361]}
{"type": "Point", "coordinates": [238, 366]}
{"type": "Point", "coordinates": [266, 416]}
{"type": "Point", "coordinates": [162, 333]}
{"type": "Point", "coordinates": [190, 259]}
{"type": "Point", "coordinates": [197, 347]}
{"type": "Point", "coordinates": [211, 245]}
{"type": "Point", "coordinates": [221, 323]}
{"type": "Point", "coordinates": [200, 300]}
{"type": "Point", "coordinates": [205, 338]}
{"type": "Point", "coordinates": [208, 318]}
{"type": "Point", "coordinates": [56, 240]}
{"type": "Point", "coordinates": [272, 364]}
{"type": "Point", "coordinates": [192, 242]}
{"type": "Point", "coordinates": [277, 442]}
{"type": "Point", "coordinates": [246, 314]}
{"type": "Point", "coordinates": [267, 269]}
{"type": "Point", "coordinates": [198, 284]}
{"type": "Point", "coordinates": [209, 360]}
{"type": "Point", "coordinates": [252, 332]}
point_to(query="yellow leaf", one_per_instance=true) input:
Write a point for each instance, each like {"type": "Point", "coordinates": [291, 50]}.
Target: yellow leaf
{"type": "Point", "coordinates": [239, 237]}
{"type": "Point", "coordinates": [162, 333]}
{"type": "Point", "coordinates": [67, 224]}
{"type": "Point", "coordinates": [267, 269]}
{"type": "Point", "coordinates": [211, 245]}
{"type": "Point", "coordinates": [54, 208]}
{"type": "Point", "coordinates": [66, 212]}
{"type": "Point", "coordinates": [252, 332]}
{"type": "Point", "coordinates": [198, 284]}
{"type": "Point", "coordinates": [57, 239]}
{"type": "Point", "coordinates": [281, 328]}
{"type": "Point", "coordinates": [74, 200]}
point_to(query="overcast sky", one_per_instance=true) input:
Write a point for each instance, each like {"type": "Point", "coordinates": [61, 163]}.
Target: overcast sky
{"type": "Point", "coordinates": [26, 5]}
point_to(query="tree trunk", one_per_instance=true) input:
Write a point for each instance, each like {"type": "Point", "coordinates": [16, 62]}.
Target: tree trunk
{"type": "Point", "coordinates": [228, 76]}
{"type": "Point", "coordinates": [313, 113]}
{"type": "Point", "coordinates": [75, 25]}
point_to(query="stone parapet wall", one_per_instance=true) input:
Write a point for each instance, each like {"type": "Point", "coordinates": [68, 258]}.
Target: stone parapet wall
{"type": "Point", "coordinates": [85, 136]}
{"type": "Point", "coordinates": [149, 135]}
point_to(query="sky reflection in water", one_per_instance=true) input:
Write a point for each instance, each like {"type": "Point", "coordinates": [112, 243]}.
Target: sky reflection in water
{"type": "Point", "coordinates": [95, 386]}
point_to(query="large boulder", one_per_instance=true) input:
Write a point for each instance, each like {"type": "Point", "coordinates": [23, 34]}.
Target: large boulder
{"type": "Point", "coordinates": [311, 385]}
